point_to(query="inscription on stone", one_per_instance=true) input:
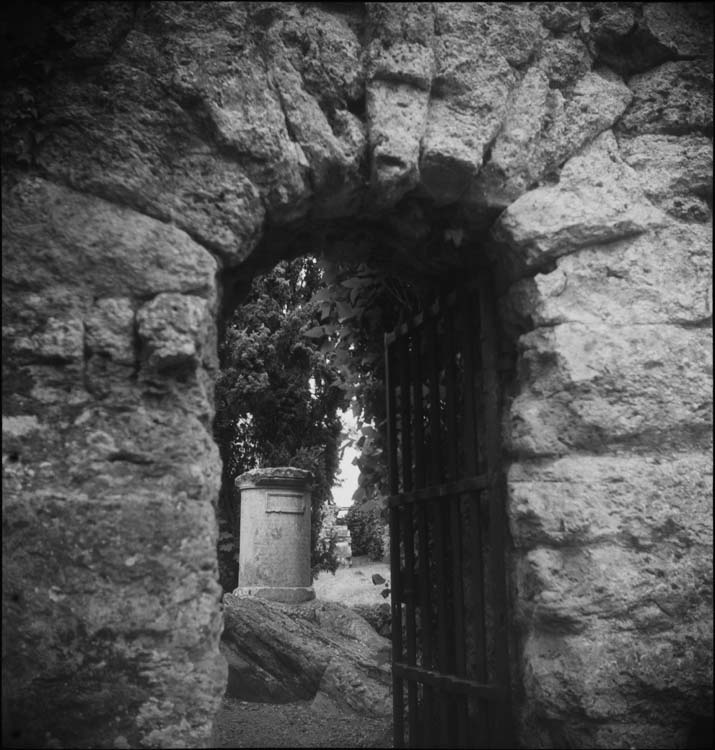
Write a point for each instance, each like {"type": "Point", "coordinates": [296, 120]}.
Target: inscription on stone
{"type": "Point", "coordinates": [276, 503]}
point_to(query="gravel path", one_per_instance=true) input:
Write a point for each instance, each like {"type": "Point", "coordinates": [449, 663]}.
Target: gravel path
{"type": "Point", "coordinates": [299, 724]}
{"type": "Point", "coordinates": [353, 585]}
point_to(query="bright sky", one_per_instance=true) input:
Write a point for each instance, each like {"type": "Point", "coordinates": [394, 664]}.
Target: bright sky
{"type": "Point", "coordinates": [348, 474]}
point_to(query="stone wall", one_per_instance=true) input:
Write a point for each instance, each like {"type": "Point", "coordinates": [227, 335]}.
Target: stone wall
{"type": "Point", "coordinates": [147, 150]}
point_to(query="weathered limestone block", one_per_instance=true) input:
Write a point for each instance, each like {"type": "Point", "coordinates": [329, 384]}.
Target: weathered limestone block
{"type": "Point", "coordinates": [122, 152]}
{"type": "Point", "coordinates": [94, 248]}
{"type": "Point", "coordinates": [476, 46]}
{"type": "Point", "coordinates": [628, 607]}
{"type": "Point", "coordinates": [407, 62]}
{"type": "Point", "coordinates": [325, 48]}
{"type": "Point", "coordinates": [684, 29]}
{"type": "Point", "coordinates": [675, 172]}
{"type": "Point", "coordinates": [111, 613]}
{"type": "Point", "coordinates": [637, 501]}
{"type": "Point", "coordinates": [549, 222]}
{"type": "Point", "coordinates": [467, 105]}
{"type": "Point", "coordinates": [564, 61]}
{"type": "Point", "coordinates": [251, 123]}
{"type": "Point", "coordinates": [172, 328]}
{"type": "Point", "coordinates": [213, 66]}
{"type": "Point", "coordinates": [638, 36]}
{"type": "Point", "coordinates": [400, 45]}
{"type": "Point", "coordinates": [110, 330]}
{"type": "Point", "coordinates": [612, 28]}
{"type": "Point", "coordinates": [334, 174]}
{"type": "Point", "coordinates": [675, 98]}
{"type": "Point", "coordinates": [396, 114]}
{"type": "Point", "coordinates": [399, 68]}
{"type": "Point", "coordinates": [664, 276]}
{"type": "Point", "coordinates": [610, 21]}
{"type": "Point", "coordinates": [315, 71]}
{"type": "Point", "coordinates": [542, 129]}
{"type": "Point", "coordinates": [595, 387]}
{"type": "Point", "coordinates": [512, 30]}
{"type": "Point", "coordinates": [112, 577]}
{"type": "Point", "coordinates": [559, 17]}
{"type": "Point", "coordinates": [628, 587]}
{"type": "Point", "coordinates": [396, 32]}
{"type": "Point", "coordinates": [578, 679]}
{"type": "Point", "coordinates": [60, 341]}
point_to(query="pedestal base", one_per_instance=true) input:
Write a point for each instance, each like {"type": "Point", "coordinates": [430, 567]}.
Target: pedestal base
{"type": "Point", "coordinates": [286, 594]}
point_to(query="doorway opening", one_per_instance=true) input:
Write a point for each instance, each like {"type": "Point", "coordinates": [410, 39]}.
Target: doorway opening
{"type": "Point", "coordinates": [320, 300]}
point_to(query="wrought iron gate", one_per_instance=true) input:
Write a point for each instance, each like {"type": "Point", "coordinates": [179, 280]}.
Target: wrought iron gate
{"type": "Point", "coordinates": [450, 666]}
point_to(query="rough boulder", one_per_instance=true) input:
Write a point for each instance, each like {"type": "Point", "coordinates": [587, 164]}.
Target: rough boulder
{"type": "Point", "coordinates": [278, 653]}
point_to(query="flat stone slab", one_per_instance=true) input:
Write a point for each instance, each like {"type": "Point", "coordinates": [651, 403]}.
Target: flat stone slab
{"type": "Point", "coordinates": [287, 594]}
{"type": "Point", "coordinates": [280, 476]}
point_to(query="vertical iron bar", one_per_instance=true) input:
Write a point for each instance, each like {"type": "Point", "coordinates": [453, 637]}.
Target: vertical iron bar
{"type": "Point", "coordinates": [418, 410]}
{"type": "Point", "coordinates": [436, 477]}
{"type": "Point", "coordinates": [421, 463]}
{"type": "Point", "coordinates": [405, 413]}
{"type": "Point", "coordinates": [410, 612]}
{"type": "Point", "coordinates": [477, 616]}
{"type": "Point", "coordinates": [451, 384]}
{"type": "Point", "coordinates": [497, 518]}
{"type": "Point", "coordinates": [435, 420]}
{"type": "Point", "coordinates": [455, 527]}
{"type": "Point", "coordinates": [396, 599]}
{"type": "Point", "coordinates": [392, 467]}
{"type": "Point", "coordinates": [408, 531]}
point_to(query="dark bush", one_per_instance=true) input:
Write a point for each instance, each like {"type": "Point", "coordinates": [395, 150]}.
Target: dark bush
{"type": "Point", "coordinates": [366, 527]}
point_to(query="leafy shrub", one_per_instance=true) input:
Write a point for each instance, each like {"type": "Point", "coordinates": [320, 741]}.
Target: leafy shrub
{"type": "Point", "coordinates": [324, 557]}
{"type": "Point", "coordinates": [366, 529]}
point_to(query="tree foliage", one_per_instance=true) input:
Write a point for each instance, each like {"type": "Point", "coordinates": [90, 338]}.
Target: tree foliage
{"type": "Point", "coordinates": [277, 397]}
{"type": "Point", "coordinates": [306, 343]}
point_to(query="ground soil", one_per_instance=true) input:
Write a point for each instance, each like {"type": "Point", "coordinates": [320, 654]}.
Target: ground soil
{"type": "Point", "coordinates": [353, 585]}
{"type": "Point", "coordinates": [299, 724]}
{"type": "Point", "coordinates": [318, 723]}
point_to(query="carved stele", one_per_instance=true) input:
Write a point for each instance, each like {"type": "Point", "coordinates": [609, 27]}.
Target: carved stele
{"type": "Point", "coordinates": [274, 551]}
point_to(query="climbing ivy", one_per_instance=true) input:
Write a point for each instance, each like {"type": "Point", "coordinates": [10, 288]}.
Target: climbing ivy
{"type": "Point", "coordinates": [357, 303]}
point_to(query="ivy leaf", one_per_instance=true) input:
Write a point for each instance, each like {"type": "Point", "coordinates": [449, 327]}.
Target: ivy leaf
{"type": "Point", "coordinates": [356, 283]}
{"type": "Point", "coordinates": [369, 431]}
{"type": "Point", "coordinates": [359, 495]}
{"type": "Point", "coordinates": [345, 311]}
{"type": "Point", "coordinates": [317, 332]}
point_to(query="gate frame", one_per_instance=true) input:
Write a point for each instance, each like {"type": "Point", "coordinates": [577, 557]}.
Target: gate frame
{"type": "Point", "coordinates": [403, 375]}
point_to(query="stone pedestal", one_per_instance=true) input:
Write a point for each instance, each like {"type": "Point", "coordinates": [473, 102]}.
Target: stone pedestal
{"type": "Point", "coordinates": [343, 546]}
{"type": "Point", "coordinates": [274, 553]}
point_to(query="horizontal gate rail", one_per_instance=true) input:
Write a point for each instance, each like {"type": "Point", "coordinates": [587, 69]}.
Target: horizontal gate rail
{"type": "Point", "coordinates": [447, 682]}
{"type": "Point", "coordinates": [434, 310]}
{"type": "Point", "coordinates": [458, 487]}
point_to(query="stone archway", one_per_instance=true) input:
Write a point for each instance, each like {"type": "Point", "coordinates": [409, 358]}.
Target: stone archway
{"type": "Point", "coordinates": [149, 148]}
